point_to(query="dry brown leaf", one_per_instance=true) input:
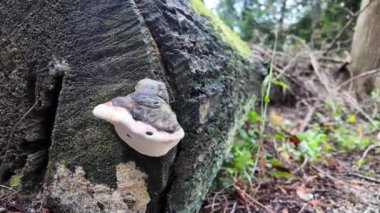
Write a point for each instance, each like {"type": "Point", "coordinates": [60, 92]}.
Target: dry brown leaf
{"type": "Point", "coordinates": [304, 193]}
{"type": "Point", "coordinates": [315, 203]}
{"type": "Point", "coordinates": [309, 179]}
{"type": "Point", "coordinates": [285, 210]}
{"type": "Point", "coordinates": [333, 163]}
{"type": "Point", "coordinates": [275, 118]}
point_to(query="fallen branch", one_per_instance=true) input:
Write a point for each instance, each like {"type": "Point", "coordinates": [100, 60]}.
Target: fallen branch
{"type": "Point", "coordinates": [307, 119]}
{"type": "Point", "coordinates": [366, 177]}
{"type": "Point", "coordinates": [361, 75]}
{"type": "Point", "coordinates": [314, 63]}
{"type": "Point", "coordinates": [365, 154]}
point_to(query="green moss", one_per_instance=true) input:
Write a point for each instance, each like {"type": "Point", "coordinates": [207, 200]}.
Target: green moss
{"type": "Point", "coordinates": [225, 32]}
{"type": "Point", "coordinates": [197, 182]}
{"type": "Point", "coordinates": [15, 180]}
{"type": "Point", "coordinates": [63, 163]}
{"type": "Point", "coordinates": [107, 94]}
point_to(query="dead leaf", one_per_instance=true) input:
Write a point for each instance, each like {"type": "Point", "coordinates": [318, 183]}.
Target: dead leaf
{"type": "Point", "coordinates": [275, 118]}
{"type": "Point", "coordinates": [285, 155]}
{"type": "Point", "coordinates": [284, 210]}
{"type": "Point", "coordinates": [294, 140]}
{"type": "Point", "coordinates": [309, 179]}
{"type": "Point", "coordinates": [45, 210]}
{"type": "Point", "coordinates": [304, 193]}
{"type": "Point", "coordinates": [334, 163]}
{"type": "Point", "coordinates": [315, 203]}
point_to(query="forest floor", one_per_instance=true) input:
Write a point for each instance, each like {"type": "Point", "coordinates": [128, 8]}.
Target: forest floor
{"type": "Point", "coordinates": [316, 149]}
{"type": "Point", "coordinates": [333, 183]}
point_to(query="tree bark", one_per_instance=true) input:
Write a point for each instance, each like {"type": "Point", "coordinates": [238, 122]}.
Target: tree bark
{"type": "Point", "coordinates": [59, 59]}
{"type": "Point", "coordinates": [365, 51]}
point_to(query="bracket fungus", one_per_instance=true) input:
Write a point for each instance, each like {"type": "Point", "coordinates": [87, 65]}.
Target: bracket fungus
{"type": "Point", "coordinates": [144, 119]}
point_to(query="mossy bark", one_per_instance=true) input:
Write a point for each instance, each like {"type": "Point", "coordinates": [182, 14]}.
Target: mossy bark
{"type": "Point", "coordinates": [107, 46]}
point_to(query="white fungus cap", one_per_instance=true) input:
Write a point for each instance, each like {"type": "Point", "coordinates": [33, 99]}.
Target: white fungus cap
{"type": "Point", "coordinates": [142, 137]}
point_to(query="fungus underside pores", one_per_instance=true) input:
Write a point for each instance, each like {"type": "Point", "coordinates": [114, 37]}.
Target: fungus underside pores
{"type": "Point", "coordinates": [144, 119]}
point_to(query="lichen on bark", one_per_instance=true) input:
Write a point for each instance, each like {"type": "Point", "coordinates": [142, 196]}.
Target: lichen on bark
{"type": "Point", "coordinates": [74, 192]}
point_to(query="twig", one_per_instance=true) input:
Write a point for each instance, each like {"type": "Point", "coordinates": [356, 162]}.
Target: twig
{"type": "Point", "coordinates": [351, 13]}
{"type": "Point", "coordinates": [365, 154]}
{"type": "Point", "coordinates": [213, 199]}
{"type": "Point", "coordinates": [338, 35]}
{"type": "Point", "coordinates": [251, 200]}
{"type": "Point", "coordinates": [6, 187]}
{"type": "Point", "coordinates": [307, 119]}
{"type": "Point", "coordinates": [354, 103]}
{"type": "Point", "coordinates": [314, 63]}
{"type": "Point", "coordinates": [361, 75]}
{"type": "Point", "coordinates": [234, 207]}
{"type": "Point", "coordinates": [288, 65]}
{"type": "Point", "coordinates": [336, 180]}
{"type": "Point", "coordinates": [210, 205]}
{"type": "Point", "coordinates": [366, 177]}
{"type": "Point", "coordinates": [333, 60]}
{"type": "Point", "coordinates": [302, 165]}
{"type": "Point", "coordinates": [303, 208]}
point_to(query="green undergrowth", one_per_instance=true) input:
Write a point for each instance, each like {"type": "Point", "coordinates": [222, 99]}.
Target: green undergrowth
{"type": "Point", "coordinates": [334, 131]}
{"type": "Point", "coordinates": [226, 34]}
{"type": "Point", "coordinates": [342, 133]}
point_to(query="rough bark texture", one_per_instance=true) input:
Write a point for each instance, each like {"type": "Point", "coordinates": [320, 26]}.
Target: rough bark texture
{"type": "Point", "coordinates": [365, 49]}
{"type": "Point", "coordinates": [60, 59]}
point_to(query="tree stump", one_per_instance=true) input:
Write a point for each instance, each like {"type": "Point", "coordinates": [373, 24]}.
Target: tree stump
{"type": "Point", "coordinates": [59, 59]}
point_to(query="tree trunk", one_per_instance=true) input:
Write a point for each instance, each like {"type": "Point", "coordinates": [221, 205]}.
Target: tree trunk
{"type": "Point", "coordinates": [365, 51]}
{"type": "Point", "coordinates": [59, 59]}
{"type": "Point", "coordinates": [282, 14]}
{"type": "Point", "coordinates": [316, 37]}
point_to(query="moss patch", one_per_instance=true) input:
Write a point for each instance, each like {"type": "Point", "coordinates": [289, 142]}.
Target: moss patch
{"type": "Point", "coordinates": [216, 162]}
{"type": "Point", "coordinates": [15, 180]}
{"type": "Point", "coordinates": [224, 31]}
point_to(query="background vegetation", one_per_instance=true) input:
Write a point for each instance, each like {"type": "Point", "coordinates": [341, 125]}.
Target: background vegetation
{"type": "Point", "coordinates": [315, 21]}
{"type": "Point", "coordinates": [309, 129]}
